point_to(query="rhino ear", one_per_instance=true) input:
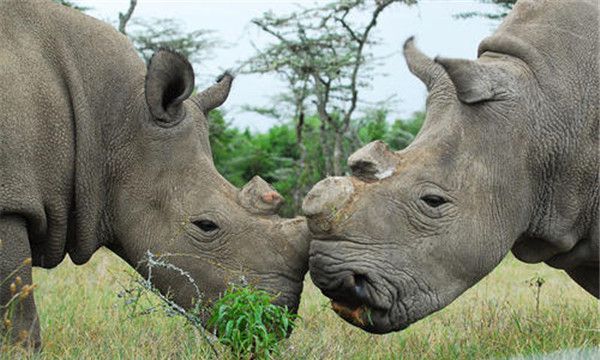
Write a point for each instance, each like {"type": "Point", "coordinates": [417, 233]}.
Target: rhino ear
{"type": "Point", "coordinates": [258, 197]}
{"type": "Point", "coordinates": [169, 81]}
{"type": "Point", "coordinates": [475, 81]}
{"type": "Point", "coordinates": [215, 95]}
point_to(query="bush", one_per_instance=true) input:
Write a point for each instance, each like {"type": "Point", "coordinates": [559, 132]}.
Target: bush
{"type": "Point", "coordinates": [248, 323]}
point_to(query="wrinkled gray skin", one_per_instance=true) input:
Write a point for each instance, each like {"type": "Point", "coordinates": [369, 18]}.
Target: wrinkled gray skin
{"type": "Point", "coordinates": [98, 150]}
{"type": "Point", "coordinates": [507, 160]}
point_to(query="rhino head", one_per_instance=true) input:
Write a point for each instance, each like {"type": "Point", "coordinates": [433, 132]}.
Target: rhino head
{"type": "Point", "coordinates": [411, 230]}
{"type": "Point", "coordinates": [167, 197]}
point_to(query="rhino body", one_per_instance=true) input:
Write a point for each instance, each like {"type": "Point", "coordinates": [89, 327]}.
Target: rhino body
{"type": "Point", "coordinates": [507, 160]}
{"type": "Point", "coordinates": [98, 150]}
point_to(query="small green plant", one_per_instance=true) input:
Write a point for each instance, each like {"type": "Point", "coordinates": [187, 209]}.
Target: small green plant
{"type": "Point", "coordinates": [246, 321]}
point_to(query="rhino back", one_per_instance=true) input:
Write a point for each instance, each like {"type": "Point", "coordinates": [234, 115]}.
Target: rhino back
{"type": "Point", "coordinates": [55, 71]}
{"type": "Point", "coordinates": [558, 40]}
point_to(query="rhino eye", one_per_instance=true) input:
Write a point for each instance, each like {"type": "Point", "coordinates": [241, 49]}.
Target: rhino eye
{"type": "Point", "coordinates": [207, 226]}
{"type": "Point", "coordinates": [434, 200]}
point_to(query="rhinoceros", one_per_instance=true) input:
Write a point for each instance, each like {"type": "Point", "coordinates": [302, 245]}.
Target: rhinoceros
{"type": "Point", "coordinates": [99, 150]}
{"type": "Point", "coordinates": [507, 160]}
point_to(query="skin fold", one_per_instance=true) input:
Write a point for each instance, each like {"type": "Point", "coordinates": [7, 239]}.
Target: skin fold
{"type": "Point", "coordinates": [98, 149]}
{"type": "Point", "coordinates": [507, 160]}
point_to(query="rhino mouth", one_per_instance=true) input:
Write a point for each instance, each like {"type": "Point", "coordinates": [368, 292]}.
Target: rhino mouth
{"type": "Point", "coordinates": [357, 315]}
{"type": "Point", "coordinates": [368, 317]}
{"type": "Point", "coordinates": [362, 295]}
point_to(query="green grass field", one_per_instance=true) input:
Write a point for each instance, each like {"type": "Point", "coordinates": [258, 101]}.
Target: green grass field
{"type": "Point", "coordinates": [82, 318]}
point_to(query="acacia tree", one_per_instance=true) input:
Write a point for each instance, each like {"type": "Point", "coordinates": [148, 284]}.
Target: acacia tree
{"type": "Point", "coordinates": [323, 54]}
{"type": "Point", "coordinates": [148, 36]}
{"type": "Point", "coordinates": [504, 7]}
{"type": "Point", "coordinates": [72, 5]}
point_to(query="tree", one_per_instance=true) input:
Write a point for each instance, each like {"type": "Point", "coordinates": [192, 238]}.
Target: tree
{"type": "Point", "coordinates": [72, 5]}
{"type": "Point", "coordinates": [150, 35]}
{"type": "Point", "coordinates": [323, 54]}
{"type": "Point", "coordinates": [505, 6]}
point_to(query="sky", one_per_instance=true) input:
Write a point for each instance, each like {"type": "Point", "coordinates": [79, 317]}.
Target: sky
{"type": "Point", "coordinates": [431, 22]}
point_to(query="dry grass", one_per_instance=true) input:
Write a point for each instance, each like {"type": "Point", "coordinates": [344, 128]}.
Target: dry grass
{"type": "Point", "coordinates": [82, 317]}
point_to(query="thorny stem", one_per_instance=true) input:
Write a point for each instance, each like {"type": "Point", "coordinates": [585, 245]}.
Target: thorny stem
{"type": "Point", "coordinates": [153, 261]}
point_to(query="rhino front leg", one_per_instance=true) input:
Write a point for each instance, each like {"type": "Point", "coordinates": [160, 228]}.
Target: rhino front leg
{"type": "Point", "coordinates": [19, 318]}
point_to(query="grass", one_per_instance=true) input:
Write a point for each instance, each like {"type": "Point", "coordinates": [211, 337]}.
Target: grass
{"type": "Point", "coordinates": [82, 317]}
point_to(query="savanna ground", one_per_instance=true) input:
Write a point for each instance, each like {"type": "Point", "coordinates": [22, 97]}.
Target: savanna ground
{"type": "Point", "coordinates": [83, 318]}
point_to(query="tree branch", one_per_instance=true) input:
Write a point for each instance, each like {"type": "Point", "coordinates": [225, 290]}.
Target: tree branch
{"type": "Point", "coordinates": [381, 5]}
{"type": "Point", "coordinates": [124, 18]}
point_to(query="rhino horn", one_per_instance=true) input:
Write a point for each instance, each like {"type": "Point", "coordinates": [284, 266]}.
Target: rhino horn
{"type": "Point", "coordinates": [373, 161]}
{"type": "Point", "coordinates": [215, 95]}
{"type": "Point", "coordinates": [422, 66]}
{"type": "Point", "coordinates": [474, 81]}
{"type": "Point", "coordinates": [259, 197]}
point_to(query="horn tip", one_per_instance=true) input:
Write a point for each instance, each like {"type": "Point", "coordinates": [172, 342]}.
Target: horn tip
{"type": "Point", "coordinates": [226, 74]}
{"type": "Point", "coordinates": [409, 41]}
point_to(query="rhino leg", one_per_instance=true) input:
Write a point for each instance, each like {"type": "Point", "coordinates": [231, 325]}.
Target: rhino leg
{"type": "Point", "coordinates": [19, 321]}
{"type": "Point", "coordinates": [587, 277]}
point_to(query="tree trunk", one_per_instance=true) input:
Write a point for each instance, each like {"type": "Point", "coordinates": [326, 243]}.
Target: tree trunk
{"type": "Point", "coordinates": [337, 154]}
{"type": "Point", "coordinates": [299, 188]}
{"type": "Point", "coordinates": [298, 191]}
{"type": "Point", "coordinates": [325, 148]}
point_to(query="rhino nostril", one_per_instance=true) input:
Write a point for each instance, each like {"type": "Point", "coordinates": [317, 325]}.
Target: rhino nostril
{"type": "Point", "coordinates": [352, 290]}
{"type": "Point", "coordinates": [359, 288]}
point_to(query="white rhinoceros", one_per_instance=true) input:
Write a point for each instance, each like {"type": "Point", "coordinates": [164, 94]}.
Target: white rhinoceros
{"type": "Point", "coordinates": [507, 160]}
{"type": "Point", "coordinates": [96, 149]}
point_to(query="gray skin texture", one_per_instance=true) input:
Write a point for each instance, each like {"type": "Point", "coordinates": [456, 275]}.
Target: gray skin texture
{"type": "Point", "coordinates": [507, 160]}
{"type": "Point", "coordinates": [96, 149]}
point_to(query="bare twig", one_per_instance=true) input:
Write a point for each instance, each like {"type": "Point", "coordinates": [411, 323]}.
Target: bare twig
{"type": "Point", "coordinates": [124, 18]}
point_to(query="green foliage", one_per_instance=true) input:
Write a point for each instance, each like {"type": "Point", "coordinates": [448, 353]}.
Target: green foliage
{"type": "Point", "coordinates": [402, 132]}
{"type": "Point", "coordinates": [275, 155]}
{"type": "Point", "coordinates": [249, 324]}
{"type": "Point", "coordinates": [375, 126]}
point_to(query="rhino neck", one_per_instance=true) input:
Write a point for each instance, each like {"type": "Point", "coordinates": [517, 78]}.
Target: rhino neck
{"type": "Point", "coordinates": [104, 78]}
{"type": "Point", "coordinates": [560, 118]}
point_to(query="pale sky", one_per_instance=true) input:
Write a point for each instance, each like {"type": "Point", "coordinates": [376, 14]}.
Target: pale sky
{"type": "Point", "coordinates": [431, 21]}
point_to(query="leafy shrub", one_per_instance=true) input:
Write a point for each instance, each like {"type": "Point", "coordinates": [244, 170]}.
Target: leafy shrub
{"type": "Point", "coordinates": [248, 323]}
